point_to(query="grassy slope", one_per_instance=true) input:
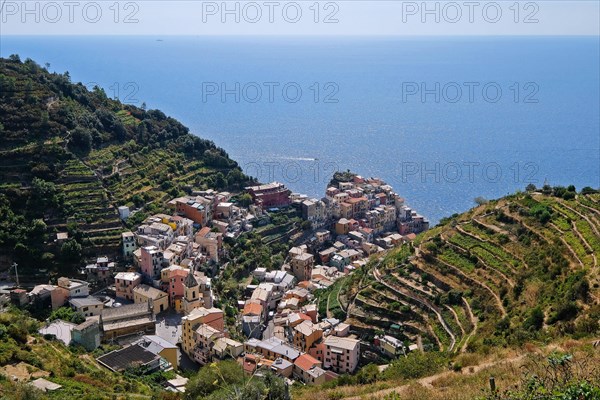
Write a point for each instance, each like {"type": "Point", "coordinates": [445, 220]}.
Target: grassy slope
{"type": "Point", "coordinates": [79, 373]}
{"type": "Point", "coordinates": [509, 368]}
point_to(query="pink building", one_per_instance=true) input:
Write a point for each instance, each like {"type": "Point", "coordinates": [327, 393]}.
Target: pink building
{"type": "Point", "coordinates": [151, 261]}
{"type": "Point", "coordinates": [125, 282]}
{"type": "Point", "coordinates": [341, 354]}
{"type": "Point", "coordinates": [273, 194]}
{"type": "Point", "coordinates": [175, 287]}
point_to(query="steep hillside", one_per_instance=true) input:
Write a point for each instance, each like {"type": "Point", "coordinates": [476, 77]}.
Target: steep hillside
{"type": "Point", "coordinates": [522, 268]}
{"type": "Point", "coordinates": [25, 354]}
{"type": "Point", "coordinates": [71, 156]}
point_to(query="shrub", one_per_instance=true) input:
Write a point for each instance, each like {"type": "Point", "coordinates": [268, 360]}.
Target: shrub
{"type": "Point", "coordinates": [367, 374]}
{"type": "Point", "coordinates": [541, 212]}
{"type": "Point", "coordinates": [565, 312]}
{"type": "Point", "coordinates": [415, 365]}
{"type": "Point", "coordinates": [535, 321]}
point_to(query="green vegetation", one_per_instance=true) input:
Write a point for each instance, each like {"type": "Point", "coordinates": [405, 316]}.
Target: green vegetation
{"type": "Point", "coordinates": [416, 365]}
{"type": "Point", "coordinates": [559, 377]}
{"type": "Point", "coordinates": [226, 380]}
{"type": "Point", "coordinates": [67, 314]}
{"type": "Point", "coordinates": [328, 302]}
{"type": "Point", "coordinates": [79, 374]}
{"type": "Point", "coordinates": [71, 156]}
{"type": "Point", "coordinates": [513, 264]}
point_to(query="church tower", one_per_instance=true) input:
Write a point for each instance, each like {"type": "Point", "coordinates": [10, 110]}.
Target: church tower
{"type": "Point", "coordinates": [191, 296]}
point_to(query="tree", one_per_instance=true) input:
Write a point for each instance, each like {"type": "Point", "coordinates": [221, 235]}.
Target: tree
{"type": "Point", "coordinates": [588, 190]}
{"type": "Point", "coordinates": [81, 140]}
{"type": "Point", "coordinates": [480, 200]}
{"type": "Point", "coordinates": [67, 314]}
{"type": "Point", "coordinates": [367, 374]}
{"type": "Point", "coordinates": [37, 229]}
{"type": "Point", "coordinates": [530, 188]}
{"type": "Point", "coordinates": [71, 251]}
{"type": "Point", "coordinates": [78, 318]}
{"type": "Point", "coordinates": [213, 377]}
{"type": "Point", "coordinates": [245, 199]}
{"type": "Point", "coordinates": [535, 321]}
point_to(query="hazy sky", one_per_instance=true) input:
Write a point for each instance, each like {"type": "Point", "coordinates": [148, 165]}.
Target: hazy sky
{"type": "Point", "coordinates": [308, 17]}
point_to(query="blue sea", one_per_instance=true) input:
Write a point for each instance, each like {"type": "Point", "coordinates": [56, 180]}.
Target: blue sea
{"type": "Point", "coordinates": [443, 120]}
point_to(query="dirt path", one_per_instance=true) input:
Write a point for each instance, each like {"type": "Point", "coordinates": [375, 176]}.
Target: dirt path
{"type": "Point", "coordinates": [474, 321]}
{"type": "Point", "coordinates": [428, 381]}
{"type": "Point", "coordinates": [460, 326]}
{"type": "Point", "coordinates": [328, 312]}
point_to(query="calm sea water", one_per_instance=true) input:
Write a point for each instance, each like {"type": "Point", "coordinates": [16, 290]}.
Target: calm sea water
{"type": "Point", "coordinates": [496, 114]}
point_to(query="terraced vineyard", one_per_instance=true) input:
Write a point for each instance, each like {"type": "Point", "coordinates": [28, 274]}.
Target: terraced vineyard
{"type": "Point", "coordinates": [90, 209]}
{"type": "Point", "coordinates": [479, 279]}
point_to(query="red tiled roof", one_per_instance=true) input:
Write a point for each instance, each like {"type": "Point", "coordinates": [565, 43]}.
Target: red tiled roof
{"type": "Point", "coordinates": [203, 232]}
{"type": "Point", "coordinates": [306, 361]}
{"type": "Point", "coordinates": [304, 317]}
{"type": "Point", "coordinates": [352, 200]}
{"type": "Point", "coordinates": [179, 272]}
{"type": "Point", "coordinates": [252, 308]}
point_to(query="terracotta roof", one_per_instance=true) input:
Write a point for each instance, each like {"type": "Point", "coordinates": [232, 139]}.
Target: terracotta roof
{"type": "Point", "coordinates": [179, 272]}
{"type": "Point", "coordinates": [306, 362]}
{"type": "Point", "coordinates": [353, 200]}
{"type": "Point", "coordinates": [252, 308]}
{"type": "Point", "coordinates": [304, 317]}
{"type": "Point", "coordinates": [203, 232]}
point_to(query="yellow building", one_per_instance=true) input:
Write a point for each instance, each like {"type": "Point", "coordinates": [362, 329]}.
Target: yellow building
{"type": "Point", "coordinates": [159, 346]}
{"type": "Point", "coordinates": [144, 294]}
{"type": "Point", "coordinates": [306, 334]}
{"type": "Point", "coordinates": [342, 226]}
{"type": "Point", "coordinates": [210, 316]}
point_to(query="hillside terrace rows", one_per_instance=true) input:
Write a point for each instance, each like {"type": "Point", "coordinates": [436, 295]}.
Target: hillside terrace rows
{"type": "Point", "coordinates": [90, 207]}
{"type": "Point", "coordinates": [482, 257]}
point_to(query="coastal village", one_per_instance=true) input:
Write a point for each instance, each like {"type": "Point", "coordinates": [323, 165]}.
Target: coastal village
{"type": "Point", "coordinates": [158, 304]}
